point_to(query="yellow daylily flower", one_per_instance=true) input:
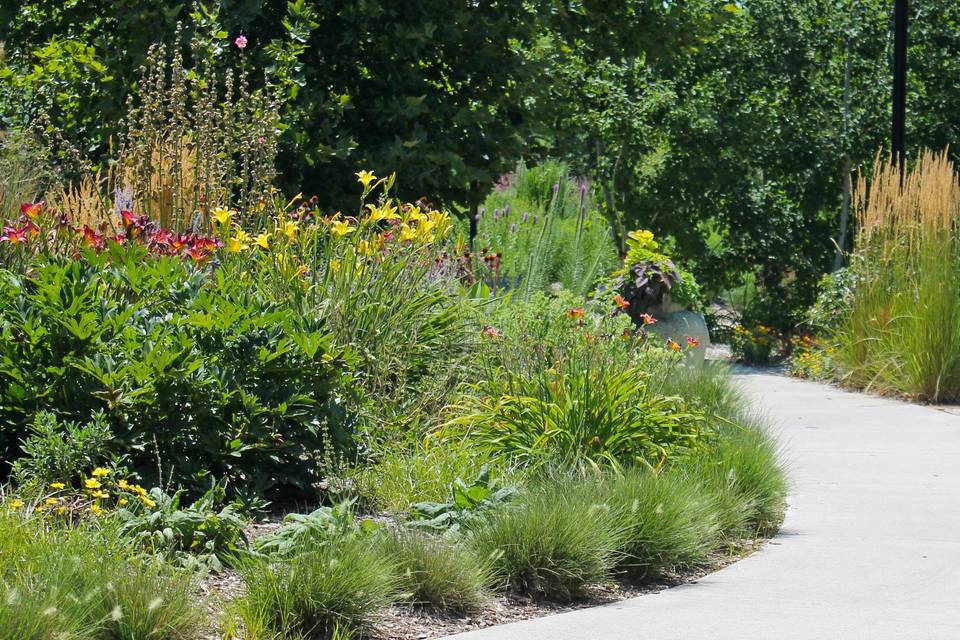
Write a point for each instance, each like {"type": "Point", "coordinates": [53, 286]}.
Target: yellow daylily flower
{"type": "Point", "coordinates": [239, 242]}
{"type": "Point", "coordinates": [365, 178]}
{"type": "Point", "coordinates": [340, 228]}
{"type": "Point", "coordinates": [262, 240]}
{"type": "Point", "coordinates": [407, 232]}
{"type": "Point", "coordinates": [100, 472]}
{"type": "Point", "coordinates": [389, 212]}
{"type": "Point", "coordinates": [221, 215]}
{"type": "Point", "coordinates": [290, 228]}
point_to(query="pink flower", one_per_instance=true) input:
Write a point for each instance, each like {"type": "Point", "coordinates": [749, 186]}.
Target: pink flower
{"type": "Point", "coordinates": [261, 140]}
{"type": "Point", "coordinates": [241, 42]}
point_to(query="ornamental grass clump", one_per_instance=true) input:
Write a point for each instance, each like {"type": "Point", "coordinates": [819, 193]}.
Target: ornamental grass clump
{"type": "Point", "coordinates": [902, 334]}
{"type": "Point", "coordinates": [328, 587]}
{"type": "Point", "coordinates": [667, 520]}
{"type": "Point", "coordinates": [437, 574]}
{"type": "Point", "coordinates": [553, 544]}
{"type": "Point", "coordinates": [81, 582]}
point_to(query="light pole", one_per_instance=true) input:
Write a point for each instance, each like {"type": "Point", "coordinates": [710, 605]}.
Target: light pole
{"type": "Point", "coordinates": [898, 133]}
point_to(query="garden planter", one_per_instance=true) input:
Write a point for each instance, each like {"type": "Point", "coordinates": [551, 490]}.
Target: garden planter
{"type": "Point", "coordinates": [678, 324]}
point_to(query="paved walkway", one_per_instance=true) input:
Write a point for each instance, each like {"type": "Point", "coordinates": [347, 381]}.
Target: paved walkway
{"type": "Point", "coordinates": [870, 548]}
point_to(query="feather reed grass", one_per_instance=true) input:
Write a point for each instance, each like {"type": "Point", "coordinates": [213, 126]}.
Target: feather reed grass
{"type": "Point", "coordinates": [903, 332]}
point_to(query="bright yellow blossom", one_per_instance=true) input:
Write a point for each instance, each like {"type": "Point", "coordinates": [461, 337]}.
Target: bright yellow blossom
{"type": "Point", "coordinates": [101, 495]}
{"type": "Point", "coordinates": [289, 229]}
{"type": "Point", "coordinates": [100, 472]}
{"type": "Point", "coordinates": [16, 504]}
{"type": "Point", "coordinates": [340, 228]}
{"type": "Point", "coordinates": [126, 486]}
{"type": "Point", "coordinates": [57, 485]}
{"type": "Point", "coordinates": [122, 502]}
{"type": "Point", "coordinates": [407, 232]}
{"type": "Point", "coordinates": [262, 240]}
{"type": "Point", "coordinates": [96, 509]}
{"type": "Point", "coordinates": [148, 502]}
{"type": "Point", "coordinates": [91, 483]}
{"type": "Point", "coordinates": [239, 242]}
{"type": "Point", "coordinates": [51, 501]}
{"type": "Point", "coordinates": [365, 178]}
{"type": "Point", "coordinates": [221, 215]}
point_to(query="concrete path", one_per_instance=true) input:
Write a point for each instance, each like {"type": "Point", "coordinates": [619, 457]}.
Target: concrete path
{"type": "Point", "coordinates": [870, 548]}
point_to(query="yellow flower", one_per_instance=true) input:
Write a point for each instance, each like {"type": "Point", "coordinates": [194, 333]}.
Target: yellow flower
{"type": "Point", "coordinates": [262, 240]}
{"type": "Point", "coordinates": [16, 504]}
{"type": "Point", "coordinates": [148, 502]}
{"type": "Point", "coordinates": [387, 212]}
{"type": "Point", "coordinates": [416, 215]}
{"type": "Point", "coordinates": [290, 229]}
{"type": "Point", "coordinates": [335, 265]}
{"type": "Point", "coordinates": [340, 228]}
{"type": "Point", "coordinates": [122, 502]}
{"type": "Point", "coordinates": [126, 486]}
{"type": "Point", "coordinates": [61, 509]}
{"type": "Point", "coordinates": [96, 509]}
{"type": "Point", "coordinates": [365, 178]}
{"type": "Point", "coordinates": [51, 501]}
{"type": "Point", "coordinates": [239, 242]}
{"type": "Point", "coordinates": [102, 495]}
{"type": "Point", "coordinates": [407, 233]}
{"type": "Point", "coordinates": [221, 215]}
{"type": "Point", "coordinates": [100, 472]}
{"type": "Point", "coordinates": [140, 491]}
{"type": "Point", "coordinates": [91, 483]}
{"type": "Point", "coordinates": [57, 485]}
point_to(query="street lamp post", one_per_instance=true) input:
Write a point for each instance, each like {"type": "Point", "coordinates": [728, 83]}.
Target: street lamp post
{"type": "Point", "coordinates": [898, 133]}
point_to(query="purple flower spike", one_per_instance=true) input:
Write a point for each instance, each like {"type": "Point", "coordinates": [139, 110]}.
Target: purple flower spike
{"type": "Point", "coordinates": [535, 218]}
{"type": "Point", "coordinates": [526, 216]}
{"type": "Point", "coordinates": [513, 228]}
{"type": "Point", "coordinates": [556, 187]}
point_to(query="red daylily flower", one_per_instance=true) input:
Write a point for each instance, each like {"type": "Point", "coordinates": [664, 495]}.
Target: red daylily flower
{"type": "Point", "coordinates": [692, 342]}
{"type": "Point", "coordinates": [576, 313]}
{"type": "Point", "coordinates": [648, 319]}
{"type": "Point", "coordinates": [14, 236]}
{"type": "Point", "coordinates": [672, 345]}
{"type": "Point", "coordinates": [621, 302]}
{"type": "Point", "coordinates": [32, 209]}
{"type": "Point", "coordinates": [491, 332]}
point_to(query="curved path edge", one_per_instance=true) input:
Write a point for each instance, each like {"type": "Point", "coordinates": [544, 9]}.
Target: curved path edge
{"type": "Point", "coordinates": [869, 549]}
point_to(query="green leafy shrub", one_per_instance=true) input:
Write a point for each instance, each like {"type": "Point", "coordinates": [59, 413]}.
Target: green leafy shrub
{"type": "Point", "coordinates": [85, 582]}
{"type": "Point", "coordinates": [316, 593]}
{"type": "Point", "coordinates": [204, 534]}
{"type": "Point", "coordinates": [190, 368]}
{"type": "Point", "coordinates": [311, 530]}
{"type": "Point", "coordinates": [552, 544]}
{"type": "Point", "coordinates": [60, 452]}
{"type": "Point", "coordinates": [437, 574]}
{"type": "Point", "coordinates": [834, 298]}
{"type": "Point", "coordinates": [467, 504]}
